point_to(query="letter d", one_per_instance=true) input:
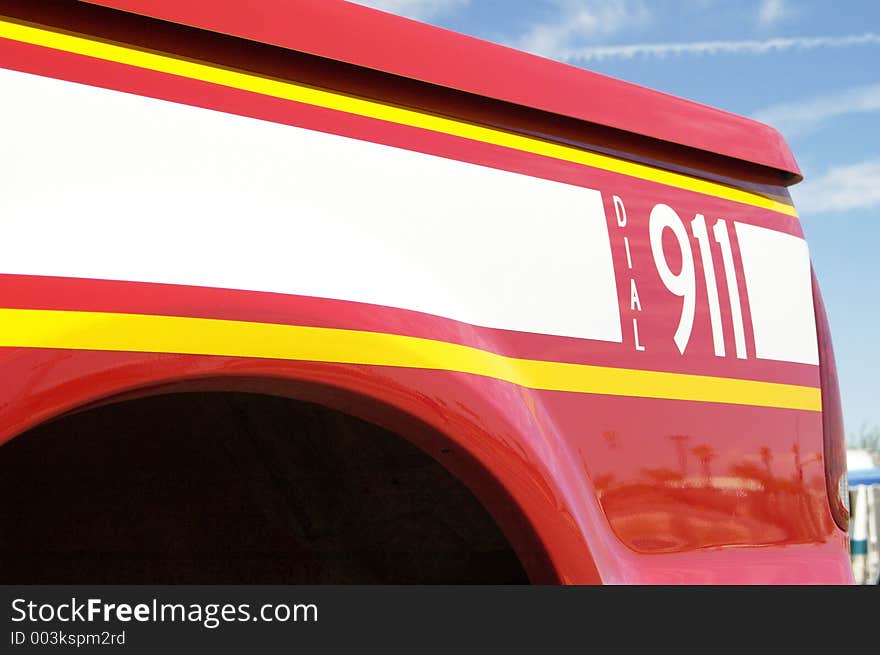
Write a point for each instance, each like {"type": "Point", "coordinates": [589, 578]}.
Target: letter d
{"type": "Point", "coordinates": [620, 210]}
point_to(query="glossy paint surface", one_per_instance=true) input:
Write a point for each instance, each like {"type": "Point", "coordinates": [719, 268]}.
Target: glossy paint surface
{"type": "Point", "coordinates": [609, 485]}
{"type": "Point", "coordinates": [649, 500]}
{"type": "Point", "coordinates": [348, 32]}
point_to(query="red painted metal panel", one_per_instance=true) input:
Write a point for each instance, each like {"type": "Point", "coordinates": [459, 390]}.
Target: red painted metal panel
{"type": "Point", "coordinates": [668, 476]}
{"type": "Point", "coordinates": [343, 31]}
{"type": "Point", "coordinates": [649, 522]}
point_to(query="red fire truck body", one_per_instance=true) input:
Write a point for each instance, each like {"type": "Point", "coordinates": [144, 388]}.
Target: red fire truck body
{"type": "Point", "coordinates": [592, 303]}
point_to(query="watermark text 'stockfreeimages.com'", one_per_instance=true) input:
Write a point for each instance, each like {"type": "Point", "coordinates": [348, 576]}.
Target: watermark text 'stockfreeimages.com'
{"type": "Point", "coordinates": [209, 615]}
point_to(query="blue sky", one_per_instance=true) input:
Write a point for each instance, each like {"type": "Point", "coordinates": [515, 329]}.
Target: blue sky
{"type": "Point", "coordinates": [811, 69]}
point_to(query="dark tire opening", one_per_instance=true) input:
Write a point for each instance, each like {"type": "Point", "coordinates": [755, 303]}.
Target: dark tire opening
{"type": "Point", "coordinates": [225, 488]}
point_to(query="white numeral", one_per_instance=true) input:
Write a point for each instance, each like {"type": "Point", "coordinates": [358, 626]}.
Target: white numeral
{"type": "Point", "coordinates": [723, 239]}
{"type": "Point", "coordinates": [684, 283]}
{"type": "Point", "coordinates": [698, 227]}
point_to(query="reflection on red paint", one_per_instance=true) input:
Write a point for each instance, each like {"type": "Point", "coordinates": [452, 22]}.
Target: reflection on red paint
{"type": "Point", "coordinates": [696, 505]}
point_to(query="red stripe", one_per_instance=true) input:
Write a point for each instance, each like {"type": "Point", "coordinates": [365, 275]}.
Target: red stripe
{"type": "Point", "coordinates": [38, 292]}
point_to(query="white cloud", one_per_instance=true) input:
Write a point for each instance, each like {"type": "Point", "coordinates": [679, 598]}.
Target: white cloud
{"type": "Point", "coordinates": [842, 188]}
{"type": "Point", "coordinates": [771, 12]}
{"type": "Point", "coordinates": [805, 115]}
{"type": "Point", "coordinates": [418, 9]}
{"type": "Point", "coordinates": [580, 21]}
{"type": "Point", "coordinates": [750, 47]}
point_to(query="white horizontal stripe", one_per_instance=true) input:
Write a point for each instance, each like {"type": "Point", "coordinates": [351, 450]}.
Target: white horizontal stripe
{"type": "Point", "coordinates": [102, 184]}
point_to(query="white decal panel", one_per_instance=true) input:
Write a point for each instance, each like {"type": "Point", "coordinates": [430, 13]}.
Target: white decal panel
{"type": "Point", "coordinates": [103, 184]}
{"type": "Point", "coordinates": [776, 267]}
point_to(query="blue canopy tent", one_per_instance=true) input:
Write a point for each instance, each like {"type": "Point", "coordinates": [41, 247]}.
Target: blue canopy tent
{"type": "Point", "coordinates": [864, 476]}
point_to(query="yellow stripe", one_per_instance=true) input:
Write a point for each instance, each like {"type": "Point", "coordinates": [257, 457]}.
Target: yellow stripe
{"type": "Point", "coordinates": [32, 328]}
{"type": "Point", "coordinates": [156, 61]}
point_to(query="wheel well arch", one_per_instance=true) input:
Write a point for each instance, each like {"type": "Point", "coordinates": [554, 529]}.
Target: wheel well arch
{"type": "Point", "coordinates": [443, 448]}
